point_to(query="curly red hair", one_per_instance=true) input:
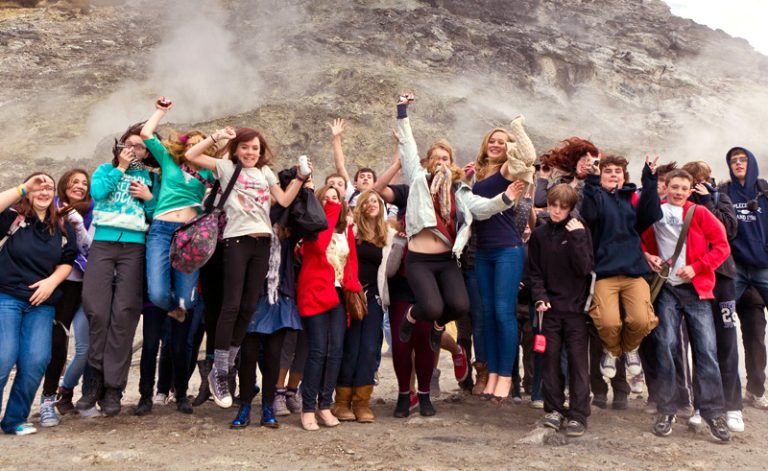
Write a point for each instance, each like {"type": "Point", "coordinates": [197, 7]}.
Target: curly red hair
{"type": "Point", "coordinates": [567, 154]}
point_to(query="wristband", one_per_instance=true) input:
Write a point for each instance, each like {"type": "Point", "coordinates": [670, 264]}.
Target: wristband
{"type": "Point", "coordinates": [21, 190]}
{"type": "Point", "coordinates": [213, 139]}
{"type": "Point", "coordinates": [300, 179]}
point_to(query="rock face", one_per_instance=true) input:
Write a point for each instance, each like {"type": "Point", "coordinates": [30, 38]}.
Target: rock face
{"type": "Point", "coordinates": [624, 73]}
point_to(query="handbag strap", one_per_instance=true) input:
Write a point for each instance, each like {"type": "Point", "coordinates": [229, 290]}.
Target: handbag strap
{"type": "Point", "coordinates": [15, 225]}
{"type": "Point", "coordinates": [230, 186]}
{"type": "Point", "coordinates": [683, 235]}
{"type": "Point", "coordinates": [196, 175]}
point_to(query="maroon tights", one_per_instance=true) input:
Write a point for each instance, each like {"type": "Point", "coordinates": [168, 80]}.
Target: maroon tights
{"type": "Point", "coordinates": [402, 353]}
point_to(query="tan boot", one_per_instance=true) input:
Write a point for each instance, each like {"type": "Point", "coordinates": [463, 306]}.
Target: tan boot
{"type": "Point", "coordinates": [361, 397]}
{"type": "Point", "coordinates": [481, 378]}
{"type": "Point", "coordinates": [341, 407]}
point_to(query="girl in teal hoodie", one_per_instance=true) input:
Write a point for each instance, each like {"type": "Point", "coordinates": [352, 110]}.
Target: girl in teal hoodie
{"type": "Point", "coordinates": [112, 286]}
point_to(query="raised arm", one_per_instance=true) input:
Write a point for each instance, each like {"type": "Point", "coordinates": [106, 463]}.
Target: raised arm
{"type": "Point", "coordinates": [12, 196]}
{"type": "Point", "coordinates": [196, 153]}
{"type": "Point", "coordinates": [162, 106]}
{"type": "Point", "coordinates": [337, 129]}
{"type": "Point", "coordinates": [409, 152]}
{"type": "Point", "coordinates": [285, 198]}
{"type": "Point", "coordinates": [382, 183]}
{"type": "Point", "coordinates": [649, 204]}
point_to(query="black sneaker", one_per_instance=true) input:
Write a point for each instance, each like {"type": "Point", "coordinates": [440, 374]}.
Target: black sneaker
{"type": "Point", "coordinates": [183, 405]}
{"type": "Point", "coordinates": [403, 407]}
{"type": "Point", "coordinates": [435, 336]}
{"type": "Point", "coordinates": [600, 400]}
{"type": "Point", "coordinates": [574, 428]}
{"type": "Point", "coordinates": [144, 406]}
{"type": "Point", "coordinates": [620, 401]}
{"type": "Point", "coordinates": [553, 420]}
{"type": "Point", "coordinates": [718, 428]}
{"type": "Point", "coordinates": [663, 425]}
{"type": "Point", "coordinates": [406, 330]}
{"type": "Point", "coordinates": [425, 405]}
{"type": "Point", "coordinates": [110, 405]}
{"type": "Point", "coordinates": [95, 392]}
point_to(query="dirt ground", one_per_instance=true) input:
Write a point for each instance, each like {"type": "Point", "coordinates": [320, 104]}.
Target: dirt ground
{"type": "Point", "coordinates": [465, 434]}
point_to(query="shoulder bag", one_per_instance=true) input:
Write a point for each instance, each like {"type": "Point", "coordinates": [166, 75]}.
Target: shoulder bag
{"type": "Point", "coordinates": [658, 280]}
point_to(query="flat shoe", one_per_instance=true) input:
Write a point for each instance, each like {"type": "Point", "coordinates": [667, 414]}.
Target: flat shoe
{"type": "Point", "coordinates": [327, 423]}
{"type": "Point", "coordinates": [310, 426]}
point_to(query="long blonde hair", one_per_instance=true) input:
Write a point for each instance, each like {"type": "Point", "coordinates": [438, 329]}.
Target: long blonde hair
{"type": "Point", "coordinates": [373, 232]}
{"type": "Point", "coordinates": [177, 144]}
{"type": "Point", "coordinates": [483, 165]}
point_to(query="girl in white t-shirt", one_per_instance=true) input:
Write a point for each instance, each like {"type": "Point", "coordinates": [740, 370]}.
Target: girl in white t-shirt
{"type": "Point", "coordinates": [246, 238]}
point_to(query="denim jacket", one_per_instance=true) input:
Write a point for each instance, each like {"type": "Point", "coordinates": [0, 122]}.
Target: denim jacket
{"type": "Point", "coordinates": [421, 209]}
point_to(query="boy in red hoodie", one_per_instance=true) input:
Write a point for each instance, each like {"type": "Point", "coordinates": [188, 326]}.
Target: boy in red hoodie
{"type": "Point", "coordinates": [687, 294]}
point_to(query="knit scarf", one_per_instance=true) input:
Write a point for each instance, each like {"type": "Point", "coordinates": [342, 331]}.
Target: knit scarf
{"type": "Point", "coordinates": [137, 164]}
{"type": "Point", "coordinates": [273, 274]}
{"type": "Point", "coordinates": [441, 186]}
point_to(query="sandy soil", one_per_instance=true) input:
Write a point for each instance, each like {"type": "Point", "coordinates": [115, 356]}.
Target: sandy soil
{"type": "Point", "coordinates": [465, 434]}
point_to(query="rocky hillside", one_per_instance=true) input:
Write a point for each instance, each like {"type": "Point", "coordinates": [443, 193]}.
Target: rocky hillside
{"type": "Point", "coordinates": [624, 73]}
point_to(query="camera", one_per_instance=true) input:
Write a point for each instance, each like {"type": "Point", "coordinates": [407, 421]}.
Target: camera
{"type": "Point", "coordinates": [595, 162]}
{"type": "Point", "coordinates": [120, 146]}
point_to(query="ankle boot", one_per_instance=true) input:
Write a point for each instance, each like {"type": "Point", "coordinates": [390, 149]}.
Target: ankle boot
{"type": "Point", "coordinates": [95, 391]}
{"type": "Point", "coordinates": [341, 407]}
{"type": "Point", "coordinates": [268, 416]}
{"type": "Point", "coordinates": [203, 394]}
{"type": "Point", "coordinates": [403, 407]}
{"type": "Point", "coordinates": [64, 400]}
{"type": "Point", "coordinates": [243, 418]}
{"type": "Point", "coordinates": [481, 380]}
{"type": "Point", "coordinates": [425, 405]}
{"type": "Point", "coordinates": [361, 397]}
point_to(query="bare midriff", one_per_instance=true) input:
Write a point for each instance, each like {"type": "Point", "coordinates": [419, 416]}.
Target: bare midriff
{"type": "Point", "coordinates": [178, 215]}
{"type": "Point", "coordinates": [427, 242]}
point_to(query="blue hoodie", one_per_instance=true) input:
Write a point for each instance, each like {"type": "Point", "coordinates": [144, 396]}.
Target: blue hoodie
{"type": "Point", "coordinates": [750, 246]}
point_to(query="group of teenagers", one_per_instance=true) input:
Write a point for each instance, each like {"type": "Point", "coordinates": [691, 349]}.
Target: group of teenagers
{"type": "Point", "coordinates": [612, 280]}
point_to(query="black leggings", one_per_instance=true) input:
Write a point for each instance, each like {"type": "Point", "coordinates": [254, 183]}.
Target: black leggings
{"type": "Point", "coordinates": [71, 298]}
{"type": "Point", "coordinates": [269, 366]}
{"type": "Point", "coordinates": [246, 261]}
{"type": "Point", "coordinates": [211, 289]}
{"type": "Point", "coordinates": [438, 286]}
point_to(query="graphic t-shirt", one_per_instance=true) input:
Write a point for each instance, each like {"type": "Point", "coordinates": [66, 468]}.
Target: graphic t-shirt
{"type": "Point", "coordinates": [247, 207]}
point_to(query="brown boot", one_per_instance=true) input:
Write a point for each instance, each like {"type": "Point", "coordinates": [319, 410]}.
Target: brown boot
{"type": "Point", "coordinates": [481, 379]}
{"type": "Point", "coordinates": [361, 397]}
{"type": "Point", "coordinates": [341, 407]}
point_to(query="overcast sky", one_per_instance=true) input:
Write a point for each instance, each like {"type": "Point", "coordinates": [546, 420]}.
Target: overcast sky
{"type": "Point", "coordinates": [741, 18]}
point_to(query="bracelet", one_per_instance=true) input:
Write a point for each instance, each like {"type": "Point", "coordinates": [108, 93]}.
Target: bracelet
{"type": "Point", "coordinates": [213, 139]}
{"type": "Point", "coordinates": [21, 191]}
{"type": "Point", "coordinates": [300, 179]}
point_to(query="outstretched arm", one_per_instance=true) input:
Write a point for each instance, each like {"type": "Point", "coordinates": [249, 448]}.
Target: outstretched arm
{"type": "Point", "coordinates": [382, 183]}
{"type": "Point", "coordinates": [196, 155]}
{"type": "Point", "coordinates": [162, 106]}
{"type": "Point", "coordinates": [337, 129]}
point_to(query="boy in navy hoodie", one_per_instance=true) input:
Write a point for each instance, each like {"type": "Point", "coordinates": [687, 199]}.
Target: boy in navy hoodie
{"type": "Point", "coordinates": [559, 262]}
{"type": "Point", "coordinates": [747, 193]}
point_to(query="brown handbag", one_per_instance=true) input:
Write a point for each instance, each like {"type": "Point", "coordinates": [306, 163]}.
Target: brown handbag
{"type": "Point", "coordinates": [356, 303]}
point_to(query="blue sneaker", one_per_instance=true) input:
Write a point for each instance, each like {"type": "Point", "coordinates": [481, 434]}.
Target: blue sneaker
{"type": "Point", "coordinates": [268, 416]}
{"type": "Point", "coordinates": [243, 418]}
{"type": "Point", "coordinates": [24, 429]}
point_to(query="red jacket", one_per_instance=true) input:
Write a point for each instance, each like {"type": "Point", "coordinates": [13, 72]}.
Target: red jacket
{"type": "Point", "coordinates": [706, 248]}
{"type": "Point", "coordinates": [316, 288]}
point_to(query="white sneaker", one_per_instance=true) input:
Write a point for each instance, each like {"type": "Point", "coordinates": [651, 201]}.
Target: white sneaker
{"type": "Point", "coordinates": [160, 399]}
{"type": "Point", "coordinates": [734, 420]}
{"type": "Point", "coordinates": [24, 429]}
{"type": "Point", "coordinates": [758, 402]}
{"type": "Point", "coordinates": [89, 413]}
{"type": "Point", "coordinates": [637, 384]}
{"type": "Point", "coordinates": [537, 404]}
{"type": "Point", "coordinates": [695, 420]}
{"type": "Point", "coordinates": [608, 365]}
{"type": "Point", "coordinates": [632, 362]}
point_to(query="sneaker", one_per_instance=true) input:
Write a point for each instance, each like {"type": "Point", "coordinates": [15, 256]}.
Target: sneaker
{"type": "Point", "coordinates": [219, 387]}
{"type": "Point", "coordinates": [735, 421]}
{"type": "Point", "coordinates": [632, 362]}
{"type": "Point", "coordinates": [608, 365]}
{"type": "Point", "coordinates": [64, 400]}
{"type": "Point", "coordinates": [89, 413]}
{"type": "Point", "coordinates": [460, 364]}
{"type": "Point", "coordinates": [435, 338]}
{"type": "Point", "coordinates": [144, 406]}
{"type": "Point", "coordinates": [48, 415]}
{"type": "Point", "coordinates": [537, 404]}
{"type": "Point", "coordinates": [718, 428]}
{"type": "Point", "coordinates": [637, 384]}
{"type": "Point", "coordinates": [663, 425]}
{"type": "Point", "coordinates": [758, 402]}
{"type": "Point", "coordinates": [110, 405]}
{"type": "Point", "coordinates": [574, 428]}
{"type": "Point", "coordinates": [694, 421]}
{"type": "Point", "coordinates": [434, 385]}
{"type": "Point", "coordinates": [600, 400]}
{"type": "Point", "coordinates": [24, 429]}
{"type": "Point", "coordinates": [553, 420]}
{"type": "Point", "coordinates": [293, 401]}
{"type": "Point", "coordinates": [160, 399]}
{"type": "Point", "coordinates": [279, 406]}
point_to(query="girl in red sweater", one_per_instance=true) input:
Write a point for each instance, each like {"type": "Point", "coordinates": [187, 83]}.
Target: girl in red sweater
{"type": "Point", "coordinates": [329, 266]}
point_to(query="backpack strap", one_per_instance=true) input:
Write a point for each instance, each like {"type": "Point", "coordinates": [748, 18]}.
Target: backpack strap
{"type": "Point", "coordinates": [15, 225]}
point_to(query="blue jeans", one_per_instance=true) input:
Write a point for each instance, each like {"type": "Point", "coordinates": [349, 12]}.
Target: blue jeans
{"type": "Point", "coordinates": [362, 344]}
{"type": "Point", "coordinates": [325, 341]}
{"type": "Point", "coordinates": [77, 365]}
{"type": "Point", "coordinates": [25, 337]}
{"type": "Point", "coordinates": [498, 274]}
{"type": "Point", "coordinates": [757, 277]}
{"type": "Point", "coordinates": [168, 289]}
{"type": "Point", "coordinates": [672, 305]}
{"type": "Point", "coordinates": [476, 311]}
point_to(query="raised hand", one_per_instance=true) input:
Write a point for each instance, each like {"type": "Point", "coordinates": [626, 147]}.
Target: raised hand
{"type": "Point", "coordinates": [34, 183]}
{"type": "Point", "coordinates": [337, 127]}
{"type": "Point", "coordinates": [652, 164]}
{"type": "Point", "coordinates": [125, 157]}
{"type": "Point", "coordinates": [574, 225]}
{"type": "Point", "coordinates": [514, 190]}
{"type": "Point", "coordinates": [163, 104]}
{"type": "Point", "coordinates": [406, 98]}
{"type": "Point", "coordinates": [224, 134]}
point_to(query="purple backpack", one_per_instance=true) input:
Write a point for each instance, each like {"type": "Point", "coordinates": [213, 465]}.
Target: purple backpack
{"type": "Point", "coordinates": [194, 243]}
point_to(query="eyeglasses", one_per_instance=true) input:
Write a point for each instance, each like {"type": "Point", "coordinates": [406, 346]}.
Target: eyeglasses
{"type": "Point", "coordinates": [739, 160]}
{"type": "Point", "coordinates": [135, 146]}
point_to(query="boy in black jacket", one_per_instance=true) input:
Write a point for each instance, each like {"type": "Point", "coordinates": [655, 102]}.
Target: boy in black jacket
{"type": "Point", "coordinates": [560, 259]}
